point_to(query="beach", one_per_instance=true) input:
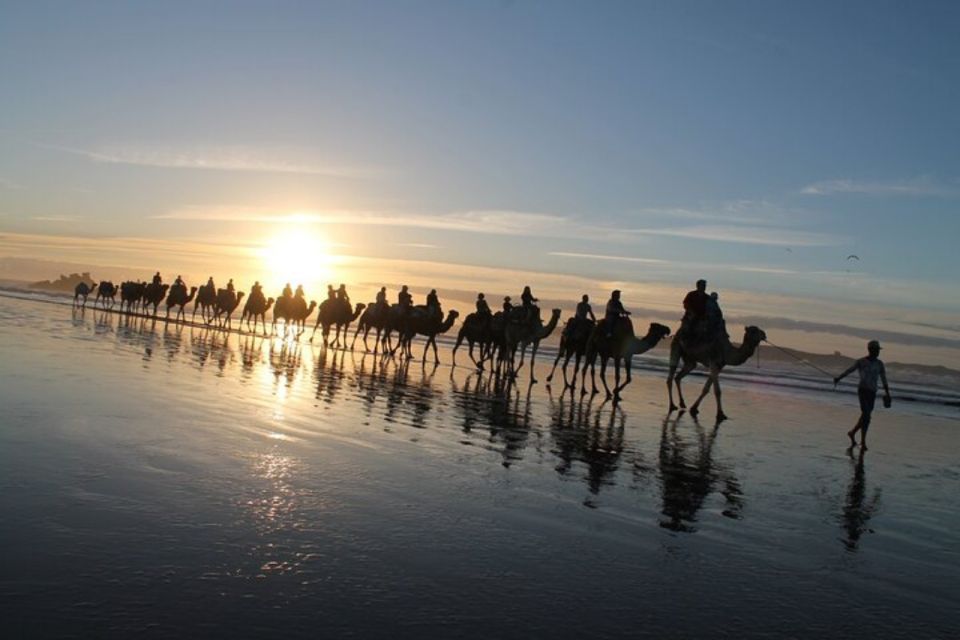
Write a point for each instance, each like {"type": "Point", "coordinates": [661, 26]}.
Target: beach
{"type": "Point", "coordinates": [172, 481]}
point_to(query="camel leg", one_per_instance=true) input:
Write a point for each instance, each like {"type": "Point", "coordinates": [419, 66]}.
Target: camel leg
{"type": "Point", "coordinates": [316, 324]}
{"type": "Point", "coordinates": [533, 361]}
{"type": "Point", "coordinates": [684, 371]}
{"type": "Point", "coordinates": [627, 365]}
{"type": "Point", "coordinates": [555, 362]}
{"type": "Point", "coordinates": [616, 378]}
{"type": "Point", "coordinates": [711, 380]}
{"type": "Point", "coordinates": [721, 416]}
{"type": "Point", "coordinates": [603, 375]}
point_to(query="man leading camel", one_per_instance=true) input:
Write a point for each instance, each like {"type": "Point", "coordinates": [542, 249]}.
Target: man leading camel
{"type": "Point", "coordinates": [870, 369]}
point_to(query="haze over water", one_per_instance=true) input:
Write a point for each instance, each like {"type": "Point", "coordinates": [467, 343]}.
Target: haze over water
{"type": "Point", "coordinates": [167, 480]}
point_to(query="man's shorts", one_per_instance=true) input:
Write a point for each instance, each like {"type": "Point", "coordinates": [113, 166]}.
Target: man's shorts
{"type": "Point", "coordinates": [868, 398]}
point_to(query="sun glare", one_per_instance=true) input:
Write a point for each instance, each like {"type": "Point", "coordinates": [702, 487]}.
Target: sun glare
{"type": "Point", "coordinates": [298, 256]}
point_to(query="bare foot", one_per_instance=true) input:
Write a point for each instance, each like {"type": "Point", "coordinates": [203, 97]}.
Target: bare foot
{"type": "Point", "coordinates": [853, 441]}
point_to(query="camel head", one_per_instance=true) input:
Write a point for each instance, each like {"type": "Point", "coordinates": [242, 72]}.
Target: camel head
{"type": "Point", "coordinates": [754, 335]}
{"type": "Point", "coordinates": [658, 331]}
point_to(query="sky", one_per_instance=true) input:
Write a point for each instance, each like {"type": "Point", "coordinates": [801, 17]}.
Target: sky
{"type": "Point", "coordinates": [577, 146]}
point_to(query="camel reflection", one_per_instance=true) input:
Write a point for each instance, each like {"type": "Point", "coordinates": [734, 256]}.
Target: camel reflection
{"type": "Point", "coordinates": [857, 509]}
{"type": "Point", "coordinates": [286, 359]}
{"type": "Point", "coordinates": [581, 434]}
{"type": "Point", "coordinates": [328, 374]}
{"type": "Point", "coordinates": [486, 401]}
{"type": "Point", "coordinates": [688, 475]}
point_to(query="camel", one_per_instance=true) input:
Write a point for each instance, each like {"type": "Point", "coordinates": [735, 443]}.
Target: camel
{"type": "Point", "coordinates": [130, 295]}
{"type": "Point", "coordinates": [179, 298]}
{"type": "Point", "coordinates": [227, 301]}
{"type": "Point", "coordinates": [373, 317]}
{"type": "Point", "coordinates": [293, 310]}
{"type": "Point", "coordinates": [153, 294]}
{"type": "Point", "coordinates": [82, 290]}
{"type": "Point", "coordinates": [621, 345]}
{"type": "Point", "coordinates": [107, 292]}
{"type": "Point", "coordinates": [524, 334]}
{"type": "Point", "coordinates": [255, 308]}
{"type": "Point", "coordinates": [205, 301]}
{"type": "Point", "coordinates": [336, 313]}
{"type": "Point", "coordinates": [715, 355]}
{"type": "Point", "coordinates": [423, 322]}
{"type": "Point", "coordinates": [475, 330]}
{"type": "Point", "coordinates": [573, 342]}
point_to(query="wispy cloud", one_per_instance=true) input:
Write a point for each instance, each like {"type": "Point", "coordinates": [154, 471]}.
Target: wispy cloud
{"type": "Point", "coordinates": [418, 245]}
{"type": "Point", "coordinates": [742, 234]}
{"type": "Point", "coordinates": [55, 218]}
{"type": "Point", "coordinates": [915, 187]}
{"type": "Point", "coordinates": [598, 256]}
{"type": "Point", "coordinates": [734, 211]}
{"type": "Point", "coordinates": [218, 158]}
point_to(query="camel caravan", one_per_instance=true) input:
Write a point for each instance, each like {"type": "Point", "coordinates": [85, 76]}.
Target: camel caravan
{"type": "Point", "coordinates": [493, 339]}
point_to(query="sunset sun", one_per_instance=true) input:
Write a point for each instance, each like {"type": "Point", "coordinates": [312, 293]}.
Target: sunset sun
{"type": "Point", "coordinates": [298, 256]}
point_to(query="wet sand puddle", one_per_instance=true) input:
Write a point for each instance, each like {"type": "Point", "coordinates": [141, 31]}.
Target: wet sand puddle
{"type": "Point", "coordinates": [159, 478]}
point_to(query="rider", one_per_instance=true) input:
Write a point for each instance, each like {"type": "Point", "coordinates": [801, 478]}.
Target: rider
{"type": "Point", "coordinates": [694, 308]}
{"type": "Point", "coordinates": [507, 307]}
{"type": "Point", "coordinates": [527, 298]}
{"type": "Point", "coordinates": [256, 290]}
{"type": "Point", "coordinates": [342, 294]}
{"type": "Point", "coordinates": [299, 292]}
{"type": "Point", "coordinates": [483, 309]}
{"type": "Point", "coordinates": [716, 325]}
{"type": "Point", "coordinates": [157, 279]}
{"type": "Point", "coordinates": [381, 303]}
{"type": "Point", "coordinates": [179, 282]}
{"type": "Point", "coordinates": [433, 303]}
{"type": "Point", "coordinates": [404, 299]}
{"type": "Point", "coordinates": [230, 287]}
{"type": "Point", "coordinates": [580, 317]}
{"type": "Point", "coordinates": [287, 291]}
{"type": "Point", "coordinates": [614, 312]}
{"type": "Point", "coordinates": [331, 293]}
{"type": "Point", "coordinates": [210, 286]}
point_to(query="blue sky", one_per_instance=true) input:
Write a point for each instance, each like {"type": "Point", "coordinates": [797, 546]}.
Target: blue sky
{"type": "Point", "coordinates": [754, 143]}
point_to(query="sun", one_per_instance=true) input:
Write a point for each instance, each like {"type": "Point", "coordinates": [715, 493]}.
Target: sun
{"type": "Point", "coordinates": [298, 256]}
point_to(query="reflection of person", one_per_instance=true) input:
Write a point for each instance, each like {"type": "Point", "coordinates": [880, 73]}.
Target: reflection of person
{"type": "Point", "coordinates": [870, 368]}
{"type": "Point", "coordinates": [857, 511]}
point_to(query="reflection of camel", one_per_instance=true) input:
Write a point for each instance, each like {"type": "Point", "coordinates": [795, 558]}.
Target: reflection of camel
{"type": "Point", "coordinates": [580, 437]}
{"type": "Point", "coordinates": [475, 330]}
{"type": "Point", "coordinates": [424, 322]}
{"type": "Point", "coordinates": [714, 355]}
{"type": "Point", "coordinates": [131, 294]}
{"type": "Point", "coordinates": [82, 290]}
{"type": "Point", "coordinates": [256, 308]}
{"type": "Point", "coordinates": [573, 342]}
{"type": "Point", "coordinates": [293, 310]}
{"type": "Point", "coordinates": [622, 344]}
{"type": "Point", "coordinates": [179, 298]}
{"type": "Point", "coordinates": [373, 317]}
{"type": "Point", "coordinates": [857, 511]}
{"type": "Point", "coordinates": [688, 475]}
{"type": "Point", "coordinates": [153, 294]}
{"type": "Point", "coordinates": [523, 334]}
{"type": "Point", "coordinates": [106, 292]}
{"type": "Point", "coordinates": [335, 313]}
{"type": "Point", "coordinates": [227, 301]}
{"type": "Point", "coordinates": [206, 301]}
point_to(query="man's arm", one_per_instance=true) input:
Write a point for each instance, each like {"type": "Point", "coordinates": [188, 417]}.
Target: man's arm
{"type": "Point", "coordinates": [843, 375]}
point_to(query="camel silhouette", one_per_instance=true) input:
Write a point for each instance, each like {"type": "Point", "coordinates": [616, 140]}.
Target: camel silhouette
{"type": "Point", "coordinates": [256, 308]}
{"type": "Point", "coordinates": [715, 355]}
{"type": "Point", "coordinates": [573, 342]}
{"type": "Point", "coordinates": [476, 330]}
{"type": "Point", "coordinates": [227, 301]}
{"type": "Point", "coordinates": [178, 297]}
{"type": "Point", "coordinates": [424, 322]}
{"type": "Point", "coordinates": [106, 293]}
{"type": "Point", "coordinates": [335, 313]}
{"type": "Point", "coordinates": [621, 345]}
{"type": "Point", "coordinates": [82, 290]}
{"type": "Point", "coordinates": [521, 335]}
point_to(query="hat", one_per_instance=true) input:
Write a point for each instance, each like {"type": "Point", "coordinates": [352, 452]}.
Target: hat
{"type": "Point", "coordinates": [873, 344]}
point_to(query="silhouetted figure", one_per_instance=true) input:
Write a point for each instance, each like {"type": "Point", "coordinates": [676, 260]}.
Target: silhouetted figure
{"type": "Point", "coordinates": [694, 310]}
{"type": "Point", "coordinates": [230, 286]}
{"type": "Point", "coordinates": [342, 295]}
{"type": "Point", "coordinates": [381, 303]}
{"type": "Point", "coordinates": [483, 309]}
{"type": "Point", "coordinates": [507, 306]}
{"type": "Point", "coordinates": [433, 303]}
{"type": "Point", "coordinates": [299, 292]}
{"type": "Point", "coordinates": [857, 511]}
{"type": "Point", "coordinates": [716, 325]}
{"type": "Point", "coordinates": [870, 369]}
{"type": "Point", "coordinates": [614, 312]}
{"type": "Point", "coordinates": [287, 291]}
{"type": "Point", "coordinates": [256, 289]}
{"type": "Point", "coordinates": [331, 293]}
{"type": "Point", "coordinates": [527, 299]}
{"type": "Point", "coordinates": [157, 280]}
{"type": "Point", "coordinates": [179, 282]}
{"type": "Point", "coordinates": [404, 299]}
{"type": "Point", "coordinates": [582, 317]}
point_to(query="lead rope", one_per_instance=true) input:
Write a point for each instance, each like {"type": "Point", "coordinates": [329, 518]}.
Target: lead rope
{"type": "Point", "coordinates": [795, 357]}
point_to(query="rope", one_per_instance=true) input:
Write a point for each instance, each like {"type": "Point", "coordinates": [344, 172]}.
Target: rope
{"type": "Point", "coordinates": [798, 359]}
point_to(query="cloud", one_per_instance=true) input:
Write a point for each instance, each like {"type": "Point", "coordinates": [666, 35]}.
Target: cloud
{"type": "Point", "coordinates": [55, 218]}
{"type": "Point", "coordinates": [916, 187]}
{"type": "Point", "coordinates": [597, 256]}
{"type": "Point", "coordinates": [418, 245]}
{"type": "Point", "coordinates": [772, 236]}
{"type": "Point", "coordinates": [735, 211]}
{"type": "Point", "coordinates": [10, 185]}
{"type": "Point", "coordinates": [219, 158]}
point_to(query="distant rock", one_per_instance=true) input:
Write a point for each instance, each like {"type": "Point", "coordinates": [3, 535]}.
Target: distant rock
{"type": "Point", "coordinates": [65, 284]}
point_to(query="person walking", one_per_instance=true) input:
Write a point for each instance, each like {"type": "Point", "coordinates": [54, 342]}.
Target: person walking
{"type": "Point", "coordinates": [870, 369]}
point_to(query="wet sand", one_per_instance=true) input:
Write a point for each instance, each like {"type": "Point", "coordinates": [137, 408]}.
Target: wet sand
{"type": "Point", "coordinates": [172, 481]}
